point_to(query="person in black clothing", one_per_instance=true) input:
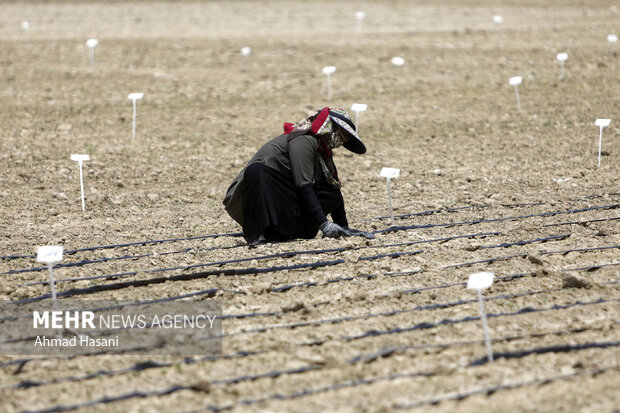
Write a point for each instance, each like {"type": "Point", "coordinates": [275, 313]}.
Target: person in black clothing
{"type": "Point", "coordinates": [291, 184]}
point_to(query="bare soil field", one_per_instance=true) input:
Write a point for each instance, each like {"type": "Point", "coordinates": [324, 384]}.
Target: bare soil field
{"type": "Point", "coordinates": [346, 325]}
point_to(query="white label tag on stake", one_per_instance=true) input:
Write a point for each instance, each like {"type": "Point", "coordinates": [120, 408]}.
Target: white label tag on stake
{"type": "Point", "coordinates": [389, 172]}
{"type": "Point", "coordinates": [602, 122]}
{"type": "Point", "coordinates": [360, 15]}
{"type": "Point", "coordinates": [562, 56]}
{"type": "Point", "coordinates": [49, 254]}
{"type": "Point", "coordinates": [328, 70]}
{"type": "Point", "coordinates": [516, 80]}
{"type": "Point", "coordinates": [612, 38]}
{"type": "Point", "coordinates": [398, 61]}
{"type": "Point", "coordinates": [480, 280]}
{"type": "Point", "coordinates": [246, 50]}
{"type": "Point", "coordinates": [498, 19]}
{"type": "Point", "coordinates": [92, 43]}
{"type": "Point", "coordinates": [25, 25]}
{"type": "Point", "coordinates": [134, 96]}
{"type": "Point", "coordinates": [359, 107]}
{"type": "Point", "coordinates": [79, 158]}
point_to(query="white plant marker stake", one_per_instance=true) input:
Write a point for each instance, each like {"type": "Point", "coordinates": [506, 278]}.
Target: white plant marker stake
{"type": "Point", "coordinates": [498, 20]}
{"type": "Point", "coordinates": [327, 71]}
{"type": "Point", "coordinates": [245, 52]}
{"type": "Point", "coordinates": [357, 108]}
{"type": "Point", "coordinates": [26, 28]}
{"type": "Point", "coordinates": [79, 159]}
{"type": "Point", "coordinates": [562, 58]}
{"type": "Point", "coordinates": [601, 123]}
{"type": "Point", "coordinates": [390, 173]}
{"type": "Point", "coordinates": [134, 97]}
{"type": "Point", "coordinates": [50, 254]}
{"type": "Point", "coordinates": [479, 281]}
{"type": "Point", "coordinates": [360, 16]}
{"type": "Point", "coordinates": [398, 61]}
{"type": "Point", "coordinates": [91, 44]}
{"type": "Point", "coordinates": [515, 81]}
{"type": "Point", "coordinates": [612, 38]}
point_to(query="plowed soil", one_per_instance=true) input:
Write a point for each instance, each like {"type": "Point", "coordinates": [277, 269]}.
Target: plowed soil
{"type": "Point", "coordinates": [483, 187]}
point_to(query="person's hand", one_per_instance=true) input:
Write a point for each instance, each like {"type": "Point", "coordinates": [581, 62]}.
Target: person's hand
{"type": "Point", "coordinates": [368, 235]}
{"type": "Point", "coordinates": [332, 230]}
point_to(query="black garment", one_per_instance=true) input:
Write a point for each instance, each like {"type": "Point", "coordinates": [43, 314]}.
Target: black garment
{"type": "Point", "coordinates": [275, 208]}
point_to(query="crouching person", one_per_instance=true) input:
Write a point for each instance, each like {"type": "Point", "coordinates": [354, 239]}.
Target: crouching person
{"type": "Point", "coordinates": [291, 184]}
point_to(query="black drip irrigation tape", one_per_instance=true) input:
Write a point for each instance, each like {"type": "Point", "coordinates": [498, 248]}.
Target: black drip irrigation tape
{"type": "Point", "coordinates": [149, 364]}
{"type": "Point", "coordinates": [487, 261]}
{"type": "Point", "coordinates": [124, 257]}
{"type": "Point", "coordinates": [518, 243]}
{"type": "Point", "coordinates": [239, 234]}
{"type": "Point", "coordinates": [141, 366]}
{"type": "Point", "coordinates": [428, 307]}
{"type": "Point", "coordinates": [271, 374]}
{"type": "Point", "coordinates": [564, 252]}
{"type": "Point", "coordinates": [240, 271]}
{"type": "Point", "coordinates": [480, 221]}
{"type": "Point", "coordinates": [509, 386]}
{"type": "Point", "coordinates": [560, 348]}
{"type": "Point", "coordinates": [262, 257]}
{"type": "Point", "coordinates": [395, 376]}
{"type": "Point", "coordinates": [455, 209]}
{"type": "Point", "coordinates": [130, 244]}
{"type": "Point", "coordinates": [363, 358]}
{"type": "Point", "coordinates": [107, 399]}
{"type": "Point", "coordinates": [508, 257]}
{"type": "Point", "coordinates": [391, 350]}
{"type": "Point", "coordinates": [210, 292]}
{"type": "Point", "coordinates": [344, 319]}
{"type": "Point", "coordinates": [589, 221]}
{"type": "Point", "coordinates": [592, 267]}
{"type": "Point", "coordinates": [183, 267]}
{"type": "Point", "coordinates": [448, 321]}
{"type": "Point", "coordinates": [180, 277]}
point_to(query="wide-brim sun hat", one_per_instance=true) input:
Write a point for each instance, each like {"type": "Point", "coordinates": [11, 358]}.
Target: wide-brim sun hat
{"type": "Point", "coordinates": [342, 118]}
{"type": "Point", "coordinates": [323, 122]}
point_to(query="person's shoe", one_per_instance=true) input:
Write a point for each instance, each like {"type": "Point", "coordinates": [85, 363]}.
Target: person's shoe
{"type": "Point", "coordinates": [259, 241]}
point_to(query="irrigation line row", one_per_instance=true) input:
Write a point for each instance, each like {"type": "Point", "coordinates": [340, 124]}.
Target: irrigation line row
{"type": "Point", "coordinates": [428, 307]}
{"type": "Point", "coordinates": [261, 257]}
{"type": "Point", "coordinates": [391, 350]}
{"type": "Point", "coordinates": [363, 358]}
{"type": "Point", "coordinates": [508, 257]}
{"type": "Point", "coordinates": [208, 292]}
{"type": "Point", "coordinates": [391, 229]}
{"type": "Point", "coordinates": [480, 221]}
{"type": "Point", "coordinates": [448, 321]}
{"type": "Point", "coordinates": [150, 364]}
{"type": "Point", "coordinates": [106, 259]}
{"type": "Point", "coordinates": [508, 386]}
{"type": "Point", "coordinates": [589, 221]}
{"type": "Point", "coordinates": [351, 318]}
{"type": "Point", "coordinates": [179, 277]}
{"type": "Point", "coordinates": [592, 267]}
{"type": "Point", "coordinates": [250, 270]}
{"type": "Point", "coordinates": [456, 209]}
{"type": "Point", "coordinates": [124, 257]}
{"type": "Point", "coordinates": [329, 388]}
{"type": "Point", "coordinates": [400, 292]}
{"type": "Point", "coordinates": [130, 244]}
{"type": "Point", "coordinates": [557, 348]}
{"type": "Point", "coordinates": [516, 205]}
{"type": "Point", "coordinates": [193, 276]}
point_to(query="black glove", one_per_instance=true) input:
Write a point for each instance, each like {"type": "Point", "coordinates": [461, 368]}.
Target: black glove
{"type": "Point", "coordinates": [368, 235]}
{"type": "Point", "coordinates": [332, 230]}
